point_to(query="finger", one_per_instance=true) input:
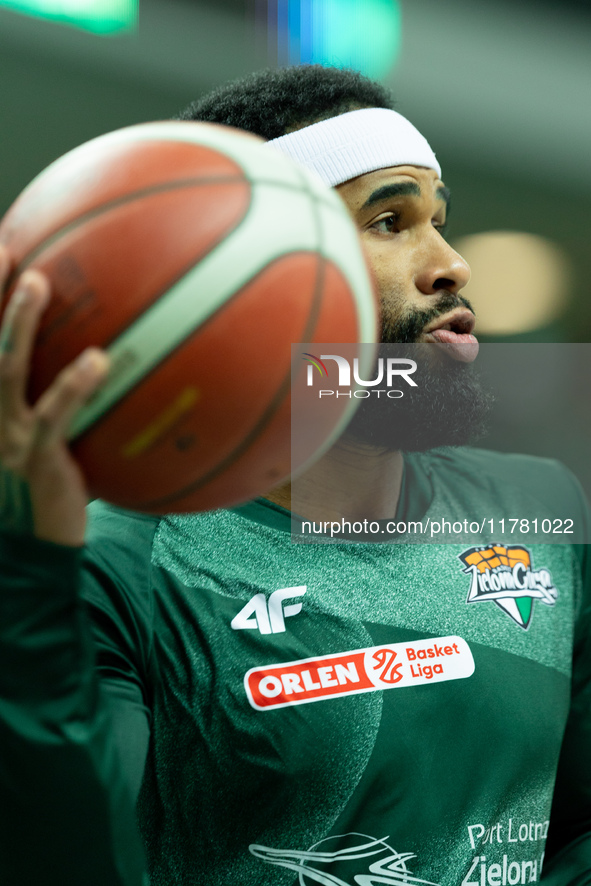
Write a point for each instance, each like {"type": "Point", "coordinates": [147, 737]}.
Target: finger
{"type": "Point", "coordinates": [4, 266]}
{"type": "Point", "coordinates": [56, 408]}
{"type": "Point", "coordinates": [17, 336]}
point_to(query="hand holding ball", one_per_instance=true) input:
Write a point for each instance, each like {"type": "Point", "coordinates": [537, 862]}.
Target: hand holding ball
{"type": "Point", "coordinates": [194, 255]}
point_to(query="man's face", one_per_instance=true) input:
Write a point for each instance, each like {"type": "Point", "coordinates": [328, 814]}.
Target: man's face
{"type": "Point", "coordinates": [401, 214]}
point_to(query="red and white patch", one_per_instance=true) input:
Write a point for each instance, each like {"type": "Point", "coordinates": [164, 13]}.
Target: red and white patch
{"type": "Point", "coordinates": [390, 666]}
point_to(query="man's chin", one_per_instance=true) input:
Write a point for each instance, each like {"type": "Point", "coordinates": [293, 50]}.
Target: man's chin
{"type": "Point", "coordinates": [447, 407]}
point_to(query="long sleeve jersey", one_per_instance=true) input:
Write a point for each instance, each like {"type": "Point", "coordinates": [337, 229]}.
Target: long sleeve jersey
{"type": "Point", "coordinates": [196, 700]}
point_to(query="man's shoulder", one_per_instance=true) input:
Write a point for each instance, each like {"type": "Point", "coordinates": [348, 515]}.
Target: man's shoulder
{"type": "Point", "coordinates": [509, 475]}
{"type": "Point", "coordinates": [116, 582]}
{"type": "Point", "coordinates": [114, 532]}
{"type": "Point", "coordinates": [103, 516]}
{"type": "Point", "coordinates": [475, 462]}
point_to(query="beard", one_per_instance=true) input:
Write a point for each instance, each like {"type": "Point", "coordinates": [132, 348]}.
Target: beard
{"type": "Point", "coordinates": [449, 406]}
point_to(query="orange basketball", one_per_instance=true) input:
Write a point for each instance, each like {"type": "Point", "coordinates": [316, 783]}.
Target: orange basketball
{"type": "Point", "coordinates": [195, 255]}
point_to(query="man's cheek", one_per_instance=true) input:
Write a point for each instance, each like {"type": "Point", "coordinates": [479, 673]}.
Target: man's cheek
{"type": "Point", "coordinates": [373, 264]}
{"type": "Point", "coordinates": [392, 309]}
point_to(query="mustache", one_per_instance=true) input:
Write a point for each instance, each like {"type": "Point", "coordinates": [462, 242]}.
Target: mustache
{"type": "Point", "coordinates": [408, 329]}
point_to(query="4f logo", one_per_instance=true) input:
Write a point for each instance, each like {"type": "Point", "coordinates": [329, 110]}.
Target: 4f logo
{"type": "Point", "coordinates": [269, 617]}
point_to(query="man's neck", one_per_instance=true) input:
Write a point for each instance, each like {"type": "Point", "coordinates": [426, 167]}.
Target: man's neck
{"type": "Point", "coordinates": [350, 481]}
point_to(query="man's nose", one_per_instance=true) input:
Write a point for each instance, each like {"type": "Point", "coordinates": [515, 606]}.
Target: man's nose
{"type": "Point", "coordinates": [441, 267]}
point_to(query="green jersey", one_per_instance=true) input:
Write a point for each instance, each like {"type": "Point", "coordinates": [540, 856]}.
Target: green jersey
{"type": "Point", "coordinates": [283, 713]}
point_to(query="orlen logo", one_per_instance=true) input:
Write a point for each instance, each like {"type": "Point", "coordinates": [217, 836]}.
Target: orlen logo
{"type": "Point", "coordinates": [362, 670]}
{"type": "Point", "coordinates": [388, 371]}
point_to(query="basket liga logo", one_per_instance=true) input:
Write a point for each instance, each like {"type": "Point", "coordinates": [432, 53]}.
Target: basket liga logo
{"type": "Point", "coordinates": [505, 575]}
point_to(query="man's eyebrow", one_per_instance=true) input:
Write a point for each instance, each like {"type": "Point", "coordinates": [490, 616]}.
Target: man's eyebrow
{"type": "Point", "coordinates": [403, 189]}
{"type": "Point", "coordinates": [398, 189]}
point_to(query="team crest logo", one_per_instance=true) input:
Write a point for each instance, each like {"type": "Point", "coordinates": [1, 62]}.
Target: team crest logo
{"type": "Point", "coordinates": [505, 575]}
{"type": "Point", "coordinates": [345, 860]}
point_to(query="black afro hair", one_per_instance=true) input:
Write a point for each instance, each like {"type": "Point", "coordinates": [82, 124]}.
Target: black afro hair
{"type": "Point", "coordinates": [270, 103]}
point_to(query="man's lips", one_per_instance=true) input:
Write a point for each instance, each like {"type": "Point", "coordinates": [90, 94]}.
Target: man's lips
{"type": "Point", "coordinates": [454, 331]}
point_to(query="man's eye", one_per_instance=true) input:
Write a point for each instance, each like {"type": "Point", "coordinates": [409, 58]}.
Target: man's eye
{"type": "Point", "coordinates": [389, 224]}
{"type": "Point", "coordinates": [442, 228]}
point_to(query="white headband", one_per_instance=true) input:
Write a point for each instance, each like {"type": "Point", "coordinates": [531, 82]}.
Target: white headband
{"type": "Point", "coordinates": [357, 142]}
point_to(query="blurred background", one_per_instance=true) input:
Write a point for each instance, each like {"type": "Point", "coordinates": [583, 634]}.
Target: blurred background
{"type": "Point", "coordinates": [500, 88]}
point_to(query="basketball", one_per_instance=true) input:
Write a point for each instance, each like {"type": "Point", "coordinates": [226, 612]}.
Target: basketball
{"type": "Point", "coordinates": [195, 255]}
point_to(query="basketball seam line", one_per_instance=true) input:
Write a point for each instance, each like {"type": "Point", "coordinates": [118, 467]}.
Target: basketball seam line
{"type": "Point", "coordinates": [284, 386]}
{"type": "Point", "coordinates": [138, 195]}
{"type": "Point", "coordinates": [106, 207]}
{"type": "Point", "coordinates": [190, 330]}
{"type": "Point", "coordinates": [263, 420]}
